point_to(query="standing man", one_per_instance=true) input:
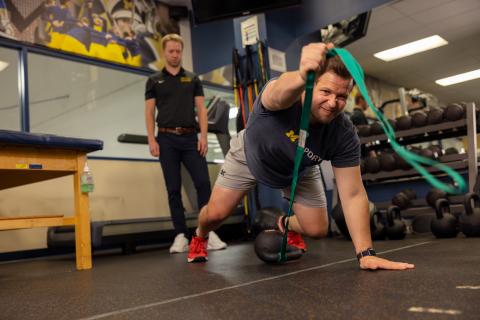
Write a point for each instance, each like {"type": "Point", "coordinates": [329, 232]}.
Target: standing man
{"type": "Point", "coordinates": [358, 116]}
{"type": "Point", "coordinates": [176, 94]}
{"type": "Point", "coordinates": [265, 152]}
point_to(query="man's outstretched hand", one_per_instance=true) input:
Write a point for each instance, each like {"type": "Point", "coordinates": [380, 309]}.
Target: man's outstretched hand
{"type": "Point", "coordinates": [374, 262]}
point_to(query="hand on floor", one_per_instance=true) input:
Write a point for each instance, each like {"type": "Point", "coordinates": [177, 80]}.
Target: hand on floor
{"type": "Point", "coordinates": [373, 263]}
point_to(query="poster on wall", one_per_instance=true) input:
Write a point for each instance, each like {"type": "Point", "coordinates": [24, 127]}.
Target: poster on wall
{"type": "Point", "coordinates": [121, 31]}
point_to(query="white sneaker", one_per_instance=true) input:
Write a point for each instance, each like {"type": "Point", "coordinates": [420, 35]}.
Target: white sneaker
{"type": "Point", "coordinates": [214, 242]}
{"type": "Point", "coordinates": [180, 244]}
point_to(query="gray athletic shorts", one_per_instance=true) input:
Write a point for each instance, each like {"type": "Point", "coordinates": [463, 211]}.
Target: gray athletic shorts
{"type": "Point", "coordinates": [236, 175]}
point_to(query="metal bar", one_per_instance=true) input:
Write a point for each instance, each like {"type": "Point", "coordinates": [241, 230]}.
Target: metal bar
{"type": "Point", "coordinates": [472, 145]}
{"type": "Point", "coordinates": [403, 102]}
{"type": "Point", "coordinates": [23, 89]}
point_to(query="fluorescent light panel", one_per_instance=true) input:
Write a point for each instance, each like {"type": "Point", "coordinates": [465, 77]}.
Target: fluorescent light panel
{"type": "Point", "coordinates": [3, 65]}
{"type": "Point", "coordinates": [462, 77]}
{"type": "Point", "coordinates": [411, 48]}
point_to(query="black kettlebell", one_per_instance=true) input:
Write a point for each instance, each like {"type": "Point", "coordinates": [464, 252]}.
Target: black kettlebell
{"type": "Point", "coordinates": [435, 116]}
{"type": "Point", "coordinates": [419, 119]}
{"type": "Point", "coordinates": [268, 244]}
{"type": "Point", "coordinates": [433, 195]}
{"type": "Point", "coordinates": [377, 228]}
{"type": "Point", "coordinates": [266, 218]}
{"type": "Point", "coordinates": [404, 123]}
{"type": "Point", "coordinates": [338, 216]}
{"type": "Point", "coordinates": [396, 229]}
{"type": "Point", "coordinates": [454, 112]}
{"type": "Point", "coordinates": [444, 224]}
{"type": "Point", "coordinates": [470, 219]}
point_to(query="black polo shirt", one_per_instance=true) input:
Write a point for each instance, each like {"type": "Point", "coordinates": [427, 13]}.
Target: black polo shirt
{"type": "Point", "coordinates": [174, 97]}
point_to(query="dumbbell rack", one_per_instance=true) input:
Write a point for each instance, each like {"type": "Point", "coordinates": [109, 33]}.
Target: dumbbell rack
{"type": "Point", "coordinates": [463, 127]}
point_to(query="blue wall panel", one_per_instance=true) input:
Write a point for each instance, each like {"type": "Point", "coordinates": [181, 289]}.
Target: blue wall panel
{"type": "Point", "coordinates": [212, 45]}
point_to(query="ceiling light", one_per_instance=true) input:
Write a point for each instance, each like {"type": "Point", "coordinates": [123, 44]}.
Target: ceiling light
{"type": "Point", "coordinates": [3, 65]}
{"type": "Point", "coordinates": [462, 77]}
{"type": "Point", "coordinates": [411, 48]}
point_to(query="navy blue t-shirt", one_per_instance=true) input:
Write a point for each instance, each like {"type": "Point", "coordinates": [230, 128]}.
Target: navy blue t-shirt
{"type": "Point", "coordinates": [271, 140]}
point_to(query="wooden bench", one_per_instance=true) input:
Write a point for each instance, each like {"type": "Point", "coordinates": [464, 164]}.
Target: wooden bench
{"type": "Point", "coordinates": [27, 158]}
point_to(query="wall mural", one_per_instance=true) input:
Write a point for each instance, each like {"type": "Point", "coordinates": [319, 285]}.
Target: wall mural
{"type": "Point", "coordinates": [121, 31]}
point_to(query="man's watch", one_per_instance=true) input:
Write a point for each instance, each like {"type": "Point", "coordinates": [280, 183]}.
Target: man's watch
{"type": "Point", "coordinates": [368, 252]}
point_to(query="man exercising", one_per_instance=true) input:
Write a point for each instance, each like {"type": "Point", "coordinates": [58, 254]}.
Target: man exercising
{"type": "Point", "coordinates": [265, 152]}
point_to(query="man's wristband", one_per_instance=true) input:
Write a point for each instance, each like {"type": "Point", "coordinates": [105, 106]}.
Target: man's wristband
{"type": "Point", "coordinates": [368, 252]}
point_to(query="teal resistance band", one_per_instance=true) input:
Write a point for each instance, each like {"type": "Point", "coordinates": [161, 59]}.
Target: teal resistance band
{"type": "Point", "coordinates": [413, 159]}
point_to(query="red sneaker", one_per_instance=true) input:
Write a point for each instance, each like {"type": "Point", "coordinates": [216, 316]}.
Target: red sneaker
{"type": "Point", "coordinates": [296, 240]}
{"type": "Point", "coordinates": [293, 238]}
{"type": "Point", "coordinates": [197, 251]}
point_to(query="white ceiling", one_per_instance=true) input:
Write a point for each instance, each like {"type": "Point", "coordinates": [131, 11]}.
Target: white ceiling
{"type": "Point", "coordinates": [403, 21]}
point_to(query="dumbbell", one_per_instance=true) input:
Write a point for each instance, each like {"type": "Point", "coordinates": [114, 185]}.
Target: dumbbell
{"type": "Point", "coordinates": [427, 153]}
{"type": "Point", "coordinates": [372, 165]}
{"type": "Point", "coordinates": [451, 150]}
{"type": "Point", "coordinates": [404, 123]}
{"type": "Point", "coordinates": [419, 119]}
{"type": "Point", "coordinates": [435, 115]}
{"type": "Point", "coordinates": [403, 198]}
{"type": "Point", "coordinates": [437, 150]}
{"type": "Point", "coordinates": [454, 112]}
{"type": "Point", "coordinates": [363, 130]}
{"type": "Point", "coordinates": [433, 195]}
{"type": "Point", "coordinates": [401, 163]}
{"type": "Point", "coordinates": [363, 170]}
{"type": "Point", "coordinates": [376, 128]}
{"type": "Point", "coordinates": [387, 161]}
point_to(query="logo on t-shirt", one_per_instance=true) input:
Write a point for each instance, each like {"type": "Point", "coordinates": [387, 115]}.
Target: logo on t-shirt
{"type": "Point", "coordinates": [185, 79]}
{"type": "Point", "coordinates": [309, 153]}
{"type": "Point", "coordinates": [291, 135]}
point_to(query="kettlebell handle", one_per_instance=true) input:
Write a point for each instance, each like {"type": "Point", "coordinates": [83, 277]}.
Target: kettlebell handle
{"type": "Point", "coordinates": [442, 206]}
{"type": "Point", "coordinates": [393, 212]}
{"type": "Point", "coordinates": [468, 202]}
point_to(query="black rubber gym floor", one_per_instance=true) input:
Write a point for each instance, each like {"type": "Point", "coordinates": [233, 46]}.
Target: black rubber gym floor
{"type": "Point", "coordinates": [326, 283]}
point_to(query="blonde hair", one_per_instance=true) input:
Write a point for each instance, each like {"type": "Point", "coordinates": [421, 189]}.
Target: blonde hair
{"type": "Point", "coordinates": [171, 37]}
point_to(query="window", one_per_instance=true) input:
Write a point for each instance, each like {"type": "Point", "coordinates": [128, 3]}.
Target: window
{"type": "Point", "coordinates": [10, 101]}
{"type": "Point", "coordinates": [84, 101]}
{"type": "Point", "coordinates": [215, 153]}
